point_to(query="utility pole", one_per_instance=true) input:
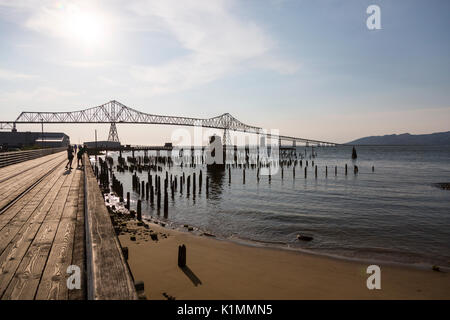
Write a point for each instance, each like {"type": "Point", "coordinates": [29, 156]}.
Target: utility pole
{"type": "Point", "coordinates": [96, 150]}
{"type": "Point", "coordinates": [42, 135]}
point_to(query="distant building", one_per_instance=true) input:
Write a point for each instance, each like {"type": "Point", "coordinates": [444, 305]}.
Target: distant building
{"type": "Point", "coordinates": [102, 144]}
{"type": "Point", "coordinates": [11, 140]}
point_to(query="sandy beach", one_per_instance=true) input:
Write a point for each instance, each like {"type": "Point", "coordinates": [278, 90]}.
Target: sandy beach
{"type": "Point", "coordinates": [218, 269]}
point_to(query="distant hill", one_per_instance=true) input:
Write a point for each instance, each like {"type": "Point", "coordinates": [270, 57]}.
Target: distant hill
{"type": "Point", "coordinates": [438, 138]}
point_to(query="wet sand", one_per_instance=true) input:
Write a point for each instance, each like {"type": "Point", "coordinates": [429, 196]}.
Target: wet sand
{"type": "Point", "coordinates": [218, 269]}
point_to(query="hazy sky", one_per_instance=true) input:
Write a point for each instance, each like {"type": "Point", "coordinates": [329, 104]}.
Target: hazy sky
{"type": "Point", "coordinates": [308, 68]}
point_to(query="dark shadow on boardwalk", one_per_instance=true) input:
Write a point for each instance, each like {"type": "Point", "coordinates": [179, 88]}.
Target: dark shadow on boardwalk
{"type": "Point", "coordinates": [191, 275]}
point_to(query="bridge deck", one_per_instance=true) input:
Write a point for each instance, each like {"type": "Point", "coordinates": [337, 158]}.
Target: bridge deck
{"type": "Point", "coordinates": [43, 231]}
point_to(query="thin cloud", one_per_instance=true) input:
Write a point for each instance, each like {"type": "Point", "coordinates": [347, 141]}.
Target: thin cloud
{"type": "Point", "coordinates": [219, 44]}
{"type": "Point", "coordinates": [215, 41]}
{"type": "Point", "coordinates": [13, 75]}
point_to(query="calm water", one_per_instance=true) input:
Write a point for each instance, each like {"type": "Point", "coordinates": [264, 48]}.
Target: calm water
{"type": "Point", "coordinates": [394, 214]}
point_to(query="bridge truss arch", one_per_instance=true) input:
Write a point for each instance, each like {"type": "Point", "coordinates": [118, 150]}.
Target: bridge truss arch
{"type": "Point", "coordinates": [114, 112]}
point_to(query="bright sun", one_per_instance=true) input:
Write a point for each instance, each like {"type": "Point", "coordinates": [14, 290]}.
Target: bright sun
{"type": "Point", "coordinates": [85, 27]}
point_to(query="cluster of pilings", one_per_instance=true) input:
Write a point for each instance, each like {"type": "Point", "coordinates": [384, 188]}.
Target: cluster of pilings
{"type": "Point", "coordinates": [153, 190]}
{"type": "Point", "coordinates": [150, 188]}
{"type": "Point", "coordinates": [102, 175]}
{"type": "Point", "coordinates": [117, 187]}
{"type": "Point", "coordinates": [141, 164]}
{"type": "Point", "coordinates": [157, 193]}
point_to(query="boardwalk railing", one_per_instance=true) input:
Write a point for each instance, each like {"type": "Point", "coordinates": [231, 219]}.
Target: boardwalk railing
{"type": "Point", "coordinates": [9, 158]}
{"type": "Point", "coordinates": [108, 276]}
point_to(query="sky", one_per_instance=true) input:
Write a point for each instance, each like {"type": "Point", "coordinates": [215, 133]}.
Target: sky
{"type": "Point", "coordinates": [307, 68]}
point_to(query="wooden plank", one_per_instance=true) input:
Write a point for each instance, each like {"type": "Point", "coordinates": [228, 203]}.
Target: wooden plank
{"type": "Point", "coordinates": [24, 284]}
{"type": "Point", "coordinates": [79, 249]}
{"type": "Point", "coordinates": [14, 170]}
{"type": "Point", "coordinates": [21, 203]}
{"type": "Point", "coordinates": [26, 165]}
{"type": "Point", "coordinates": [15, 217]}
{"type": "Point", "coordinates": [17, 248]}
{"type": "Point", "coordinates": [29, 171]}
{"type": "Point", "coordinates": [53, 284]}
{"type": "Point", "coordinates": [11, 158]}
{"type": "Point", "coordinates": [108, 274]}
{"type": "Point", "coordinates": [11, 189]}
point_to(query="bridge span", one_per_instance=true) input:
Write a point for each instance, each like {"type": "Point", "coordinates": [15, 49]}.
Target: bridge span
{"type": "Point", "coordinates": [114, 112]}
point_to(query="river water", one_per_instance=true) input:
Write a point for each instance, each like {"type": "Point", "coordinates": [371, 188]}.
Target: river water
{"type": "Point", "coordinates": [395, 213]}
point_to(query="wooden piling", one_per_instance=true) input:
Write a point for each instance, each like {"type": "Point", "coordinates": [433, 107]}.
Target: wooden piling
{"type": "Point", "coordinates": [182, 256]}
{"type": "Point", "coordinates": [166, 204]}
{"type": "Point", "coordinates": [128, 201]}
{"type": "Point", "coordinates": [270, 174]}
{"type": "Point", "coordinates": [194, 183]}
{"type": "Point", "coordinates": [158, 199]}
{"type": "Point", "coordinates": [139, 210]}
{"type": "Point", "coordinates": [152, 195]}
{"type": "Point", "coordinates": [188, 186]}
{"type": "Point", "coordinates": [181, 185]}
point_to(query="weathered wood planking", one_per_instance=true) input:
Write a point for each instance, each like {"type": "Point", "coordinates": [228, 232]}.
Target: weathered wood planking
{"type": "Point", "coordinates": [108, 274]}
{"type": "Point", "coordinates": [29, 169]}
{"type": "Point", "coordinates": [19, 245]}
{"type": "Point", "coordinates": [15, 217]}
{"type": "Point", "coordinates": [46, 230]}
{"type": "Point", "coordinates": [12, 170]}
{"type": "Point", "coordinates": [24, 284]}
{"type": "Point", "coordinates": [53, 284]}
{"type": "Point", "coordinates": [10, 189]}
{"type": "Point", "coordinates": [79, 249]}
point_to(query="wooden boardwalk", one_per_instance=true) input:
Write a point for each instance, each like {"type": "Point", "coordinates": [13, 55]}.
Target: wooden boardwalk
{"type": "Point", "coordinates": [43, 231]}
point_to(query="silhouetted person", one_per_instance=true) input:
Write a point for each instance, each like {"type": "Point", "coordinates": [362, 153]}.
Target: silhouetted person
{"type": "Point", "coordinates": [80, 156]}
{"type": "Point", "coordinates": [69, 156]}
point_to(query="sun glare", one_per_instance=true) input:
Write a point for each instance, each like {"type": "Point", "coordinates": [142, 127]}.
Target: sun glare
{"type": "Point", "coordinates": [85, 27]}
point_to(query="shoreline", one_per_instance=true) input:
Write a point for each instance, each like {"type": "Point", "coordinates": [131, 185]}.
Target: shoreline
{"type": "Point", "coordinates": [170, 225]}
{"type": "Point", "coordinates": [226, 269]}
{"type": "Point", "coordinates": [287, 247]}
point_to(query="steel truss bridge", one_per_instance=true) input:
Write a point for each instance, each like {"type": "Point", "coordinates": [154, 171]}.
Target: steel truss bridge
{"type": "Point", "coordinates": [114, 112]}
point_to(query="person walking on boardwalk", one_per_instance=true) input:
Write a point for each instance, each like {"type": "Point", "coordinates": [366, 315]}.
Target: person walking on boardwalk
{"type": "Point", "coordinates": [80, 156]}
{"type": "Point", "coordinates": [69, 156]}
